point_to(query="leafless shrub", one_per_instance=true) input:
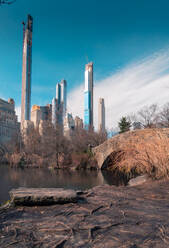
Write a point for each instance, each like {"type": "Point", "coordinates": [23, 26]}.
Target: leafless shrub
{"type": "Point", "coordinates": [49, 147]}
{"type": "Point", "coordinates": [82, 139]}
{"type": "Point", "coordinates": [13, 159]}
{"type": "Point", "coordinates": [163, 116]}
{"type": "Point", "coordinates": [148, 116]}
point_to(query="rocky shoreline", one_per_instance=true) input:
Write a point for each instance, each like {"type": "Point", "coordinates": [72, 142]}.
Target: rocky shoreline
{"type": "Point", "coordinates": [105, 216]}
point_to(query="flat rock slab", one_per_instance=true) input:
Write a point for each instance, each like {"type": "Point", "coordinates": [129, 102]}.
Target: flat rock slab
{"type": "Point", "coordinates": [138, 180]}
{"type": "Point", "coordinates": [42, 196]}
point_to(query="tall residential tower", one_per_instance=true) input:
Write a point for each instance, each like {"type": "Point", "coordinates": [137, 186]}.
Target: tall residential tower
{"type": "Point", "coordinates": [26, 71]}
{"type": "Point", "coordinates": [63, 85]}
{"type": "Point", "coordinates": [54, 111]}
{"type": "Point", "coordinates": [101, 116]}
{"type": "Point", "coordinates": [59, 104]}
{"type": "Point", "coordinates": [88, 95]}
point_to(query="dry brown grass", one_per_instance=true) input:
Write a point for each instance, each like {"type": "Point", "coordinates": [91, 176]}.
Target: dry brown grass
{"type": "Point", "coordinates": [14, 159]}
{"type": "Point", "coordinates": [141, 151]}
{"type": "Point", "coordinates": [23, 159]}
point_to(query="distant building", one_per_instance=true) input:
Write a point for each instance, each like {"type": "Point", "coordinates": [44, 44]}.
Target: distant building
{"type": "Point", "coordinates": [69, 125]}
{"type": "Point", "coordinates": [78, 122]}
{"type": "Point", "coordinates": [88, 95]}
{"type": "Point", "coordinates": [54, 111]}
{"type": "Point", "coordinates": [101, 115]}
{"type": "Point", "coordinates": [59, 104]}
{"type": "Point", "coordinates": [42, 125]}
{"type": "Point", "coordinates": [9, 126]}
{"type": "Point", "coordinates": [40, 113]}
{"type": "Point", "coordinates": [63, 85]}
{"type": "Point", "coordinates": [58, 93]}
{"type": "Point", "coordinates": [26, 71]}
{"type": "Point", "coordinates": [27, 125]}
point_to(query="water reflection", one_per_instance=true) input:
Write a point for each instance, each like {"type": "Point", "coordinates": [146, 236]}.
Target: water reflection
{"type": "Point", "coordinates": [112, 179]}
{"type": "Point", "coordinates": [79, 180]}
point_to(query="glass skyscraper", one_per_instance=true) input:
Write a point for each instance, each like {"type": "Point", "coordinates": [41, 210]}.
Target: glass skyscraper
{"type": "Point", "coordinates": [88, 97]}
{"type": "Point", "coordinates": [59, 104]}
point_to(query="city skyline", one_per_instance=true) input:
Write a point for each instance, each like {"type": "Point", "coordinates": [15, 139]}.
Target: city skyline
{"type": "Point", "coordinates": [115, 44]}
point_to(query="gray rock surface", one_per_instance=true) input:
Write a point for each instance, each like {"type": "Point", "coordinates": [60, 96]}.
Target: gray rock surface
{"type": "Point", "coordinates": [138, 180]}
{"type": "Point", "coordinates": [42, 196]}
{"type": "Point", "coordinates": [111, 217]}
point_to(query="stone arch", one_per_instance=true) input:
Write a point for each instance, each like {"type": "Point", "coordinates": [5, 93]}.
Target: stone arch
{"type": "Point", "coordinates": [104, 153]}
{"type": "Point", "coordinates": [112, 159]}
{"type": "Point", "coordinates": [134, 144]}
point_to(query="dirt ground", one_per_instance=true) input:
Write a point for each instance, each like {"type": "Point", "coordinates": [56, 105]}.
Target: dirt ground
{"type": "Point", "coordinates": [106, 217]}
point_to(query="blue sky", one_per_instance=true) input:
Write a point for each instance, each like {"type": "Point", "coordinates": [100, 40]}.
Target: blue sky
{"type": "Point", "coordinates": [115, 35]}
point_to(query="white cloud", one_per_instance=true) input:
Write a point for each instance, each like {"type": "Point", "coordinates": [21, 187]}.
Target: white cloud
{"type": "Point", "coordinates": [18, 112]}
{"type": "Point", "coordinates": [138, 84]}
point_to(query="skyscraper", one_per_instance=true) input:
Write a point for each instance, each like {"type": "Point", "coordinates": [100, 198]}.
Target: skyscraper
{"type": "Point", "coordinates": [101, 115]}
{"type": "Point", "coordinates": [58, 93]}
{"type": "Point", "coordinates": [26, 71]}
{"type": "Point", "coordinates": [54, 112]}
{"type": "Point", "coordinates": [88, 95]}
{"type": "Point", "coordinates": [63, 85]}
{"type": "Point", "coordinates": [61, 99]}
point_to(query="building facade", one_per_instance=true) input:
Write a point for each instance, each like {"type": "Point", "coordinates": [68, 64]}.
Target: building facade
{"type": "Point", "coordinates": [26, 71]}
{"type": "Point", "coordinates": [88, 97]}
{"type": "Point", "coordinates": [54, 111]}
{"type": "Point", "coordinates": [40, 113]}
{"type": "Point", "coordinates": [101, 115]}
{"type": "Point", "coordinates": [78, 123]}
{"type": "Point", "coordinates": [69, 125]}
{"type": "Point", "coordinates": [9, 126]}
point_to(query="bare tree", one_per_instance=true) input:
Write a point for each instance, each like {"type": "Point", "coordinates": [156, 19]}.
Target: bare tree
{"type": "Point", "coordinates": [147, 117]}
{"type": "Point", "coordinates": [48, 146]}
{"type": "Point", "coordinates": [163, 117]}
{"type": "Point", "coordinates": [82, 139]}
{"type": "Point", "coordinates": [54, 146]}
{"type": "Point", "coordinates": [32, 142]}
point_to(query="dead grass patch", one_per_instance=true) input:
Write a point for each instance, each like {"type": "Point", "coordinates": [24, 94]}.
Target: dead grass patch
{"type": "Point", "coordinates": [141, 151]}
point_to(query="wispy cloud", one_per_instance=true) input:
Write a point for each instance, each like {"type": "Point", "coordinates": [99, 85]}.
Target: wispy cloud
{"type": "Point", "coordinates": [138, 84]}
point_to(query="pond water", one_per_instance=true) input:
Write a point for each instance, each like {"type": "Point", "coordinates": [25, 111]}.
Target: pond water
{"type": "Point", "coordinates": [45, 178]}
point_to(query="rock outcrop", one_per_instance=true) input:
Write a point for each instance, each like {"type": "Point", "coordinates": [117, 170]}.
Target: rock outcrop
{"type": "Point", "coordinates": [110, 217]}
